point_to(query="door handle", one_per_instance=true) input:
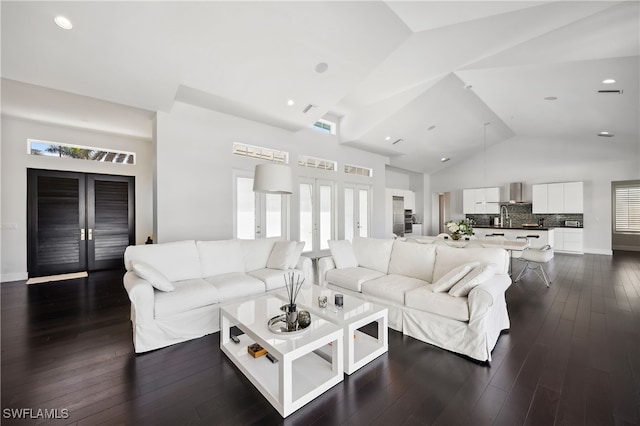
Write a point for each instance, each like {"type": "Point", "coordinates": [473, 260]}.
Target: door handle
{"type": "Point", "coordinates": [82, 234]}
{"type": "Point", "coordinates": [90, 234]}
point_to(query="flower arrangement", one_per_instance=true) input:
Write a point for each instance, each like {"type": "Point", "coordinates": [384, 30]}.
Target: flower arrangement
{"type": "Point", "coordinates": [458, 229]}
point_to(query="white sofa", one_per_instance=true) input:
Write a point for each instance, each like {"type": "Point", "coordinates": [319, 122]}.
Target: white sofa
{"type": "Point", "coordinates": [403, 276]}
{"type": "Point", "coordinates": [176, 289]}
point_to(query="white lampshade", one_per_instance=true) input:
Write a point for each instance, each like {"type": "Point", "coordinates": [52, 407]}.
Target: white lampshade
{"type": "Point", "coordinates": [273, 178]}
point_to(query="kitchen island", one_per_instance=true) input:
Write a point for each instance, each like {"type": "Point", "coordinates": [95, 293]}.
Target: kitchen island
{"type": "Point", "coordinates": [538, 237]}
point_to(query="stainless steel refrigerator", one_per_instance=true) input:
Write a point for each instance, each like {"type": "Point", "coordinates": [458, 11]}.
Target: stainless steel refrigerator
{"type": "Point", "coordinates": [398, 216]}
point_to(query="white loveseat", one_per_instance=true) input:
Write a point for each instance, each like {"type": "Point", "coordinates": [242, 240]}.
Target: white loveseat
{"type": "Point", "coordinates": [403, 276]}
{"type": "Point", "coordinates": [176, 289]}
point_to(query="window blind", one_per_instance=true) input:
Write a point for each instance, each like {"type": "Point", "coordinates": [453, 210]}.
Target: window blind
{"type": "Point", "coordinates": [627, 209]}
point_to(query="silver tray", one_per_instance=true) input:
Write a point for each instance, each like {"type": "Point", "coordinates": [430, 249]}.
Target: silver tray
{"type": "Point", "coordinates": [278, 325]}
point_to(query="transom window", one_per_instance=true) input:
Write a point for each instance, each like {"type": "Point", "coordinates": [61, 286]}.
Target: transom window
{"type": "Point", "coordinates": [317, 163]}
{"type": "Point", "coordinates": [358, 170]}
{"type": "Point", "coordinates": [260, 152]}
{"type": "Point", "coordinates": [64, 150]}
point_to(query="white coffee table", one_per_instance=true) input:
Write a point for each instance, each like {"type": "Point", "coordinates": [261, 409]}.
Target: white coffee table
{"type": "Point", "coordinates": [300, 375]}
{"type": "Point", "coordinates": [359, 348]}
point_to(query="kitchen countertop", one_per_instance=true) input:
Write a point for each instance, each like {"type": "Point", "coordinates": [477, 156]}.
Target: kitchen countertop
{"type": "Point", "coordinates": [528, 228]}
{"type": "Point", "coordinates": [544, 228]}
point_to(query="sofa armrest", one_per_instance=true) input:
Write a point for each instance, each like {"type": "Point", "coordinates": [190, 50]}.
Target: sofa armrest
{"type": "Point", "coordinates": [306, 266]}
{"type": "Point", "coordinates": [324, 264]}
{"type": "Point", "coordinates": [141, 294]}
{"type": "Point", "coordinates": [486, 295]}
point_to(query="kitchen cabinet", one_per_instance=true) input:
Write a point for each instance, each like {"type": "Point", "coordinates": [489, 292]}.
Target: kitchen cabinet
{"type": "Point", "coordinates": [573, 197]}
{"type": "Point", "coordinates": [563, 197]}
{"type": "Point", "coordinates": [555, 197]}
{"type": "Point", "coordinates": [569, 240]}
{"type": "Point", "coordinates": [468, 201]}
{"type": "Point", "coordinates": [409, 200]}
{"type": "Point", "coordinates": [539, 199]}
{"type": "Point", "coordinates": [481, 200]}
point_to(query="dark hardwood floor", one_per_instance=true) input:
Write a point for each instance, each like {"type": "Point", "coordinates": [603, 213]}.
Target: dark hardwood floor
{"type": "Point", "coordinates": [572, 357]}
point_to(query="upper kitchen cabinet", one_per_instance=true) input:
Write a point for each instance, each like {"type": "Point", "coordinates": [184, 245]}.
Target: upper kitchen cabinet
{"type": "Point", "coordinates": [573, 196]}
{"type": "Point", "coordinates": [481, 200]}
{"type": "Point", "coordinates": [564, 197]}
{"type": "Point", "coordinates": [555, 198]}
{"type": "Point", "coordinates": [409, 200]}
{"type": "Point", "coordinates": [539, 199]}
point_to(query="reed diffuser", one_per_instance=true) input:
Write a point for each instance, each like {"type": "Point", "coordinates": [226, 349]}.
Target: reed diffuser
{"type": "Point", "coordinates": [293, 284]}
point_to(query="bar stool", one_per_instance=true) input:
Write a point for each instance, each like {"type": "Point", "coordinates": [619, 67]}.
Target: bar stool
{"type": "Point", "coordinates": [537, 257]}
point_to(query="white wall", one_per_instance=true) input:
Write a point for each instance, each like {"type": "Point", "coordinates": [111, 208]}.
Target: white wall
{"type": "Point", "coordinates": [15, 161]}
{"type": "Point", "coordinates": [530, 160]}
{"type": "Point", "coordinates": [195, 167]}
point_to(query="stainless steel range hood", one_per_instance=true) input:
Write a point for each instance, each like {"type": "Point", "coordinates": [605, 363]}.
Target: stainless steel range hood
{"type": "Point", "coordinates": [515, 193]}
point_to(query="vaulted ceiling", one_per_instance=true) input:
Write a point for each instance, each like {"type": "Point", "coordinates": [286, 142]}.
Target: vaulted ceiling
{"type": "Point", "coordinates": [429, 73]}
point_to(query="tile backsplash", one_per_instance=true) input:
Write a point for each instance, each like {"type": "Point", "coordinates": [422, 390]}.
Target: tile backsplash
{"type": "Point", "coordinates": [522, 213]}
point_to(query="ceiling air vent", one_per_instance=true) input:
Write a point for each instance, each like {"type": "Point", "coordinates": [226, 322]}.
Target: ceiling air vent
{"type": "Point", "coordinates": [610, 92]}
{"type": "Point", "coordinates": [396, 141]}
{"type": "Point", "coordinates": [307, 108]}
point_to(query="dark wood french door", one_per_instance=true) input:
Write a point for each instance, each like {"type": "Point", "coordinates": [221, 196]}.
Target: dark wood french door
{"type": "Point", "coordinates": [77, 221]}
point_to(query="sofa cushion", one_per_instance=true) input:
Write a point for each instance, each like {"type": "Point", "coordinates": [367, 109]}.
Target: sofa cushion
{"type": "Point", "coordinates": [280, 255]}
{"type": "Point", "coordinates": [373, 253]}
{"type": "Point", "coordinates": [424, 299]}
{"type": "Point", "coordinates": [220, 257]}
{"type": "Point", "coordinates": [256, 252]}
{"type": "Point", "coordinates": [477, 276]}
{"type": "Point", "coordinates": [188, 294]}
{"type": "Point", "coordinates": [235, 285]}
{"type": "Point", "coordinates": [391, 287]}
{"type": "Point", "coordinates": [448, 258]}
{"type": "Point", "coordinates": [351, 278]}
{"type": "Point", "coordinates": [413, 260]}
{"type": "Point", "coordinates": [453, 276]}
{"type": "Point", "coordinates": [295, 256]}
{"type": "Point", "coordinates": [151, 274]}
{"type": "Point", "coordinates": [177, 261]}
{"type": "Point", "coordinates": [274, 278]}
{"type": "Point", "coordinates": [342, 254]}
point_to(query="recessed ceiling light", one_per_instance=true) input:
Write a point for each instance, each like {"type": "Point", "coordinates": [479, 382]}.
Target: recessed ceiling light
{"type": "Point", "coordinates": [431, 128]}
{"type": "Point", "coordinates": [290, 102]}
{"type": "Point", "coordinates": [63, 22]}
{"type": "Point", "coordinates": [609, 81]}
{"type": "Point", "coordinates": [388, 138]}
{"type": "Point", "coordinates": [606, 134]}
{"type": "Point", "coordinates": [551, 98]}
{"type": "Point", "coordinates": [445, 159]}
{"type": "Point", "coordinates": [322, 67]}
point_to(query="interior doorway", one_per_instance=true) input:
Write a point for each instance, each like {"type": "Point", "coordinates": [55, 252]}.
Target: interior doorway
{"type": "Point", "coordinates": [77, 221]}
{"type": "Point", "coordinates": [444, 210]}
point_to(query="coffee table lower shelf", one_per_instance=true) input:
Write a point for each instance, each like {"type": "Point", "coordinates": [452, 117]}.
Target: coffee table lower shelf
{"type": "Point", "coordinates": [296, 379]}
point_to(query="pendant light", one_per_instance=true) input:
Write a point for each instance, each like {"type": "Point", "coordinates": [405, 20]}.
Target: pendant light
{"type": "Point", "coordinates": [273, 178]}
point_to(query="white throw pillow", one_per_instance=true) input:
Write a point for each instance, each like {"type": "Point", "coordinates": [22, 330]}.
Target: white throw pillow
{"type": "Point", "coordinates": [281, 254]}
{"type": "Point", "coordinates": [295, 255]}
{"type": "Point", "coordinates": [154, 276]}
{"type": "Point", "coordinates": [452, 277]}
{"type": "Point", "coordinates": [342, 253]}
{"type": "Point", "coordinates": [479, 275]}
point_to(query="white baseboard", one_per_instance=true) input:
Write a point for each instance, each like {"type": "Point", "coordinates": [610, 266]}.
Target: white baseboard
{"type": "Point", "coordinates": [599, 251]}
{"type": "Point", "coordinates": [627, 248]}
{"type": "Point", "coordinates": [15, 276]}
